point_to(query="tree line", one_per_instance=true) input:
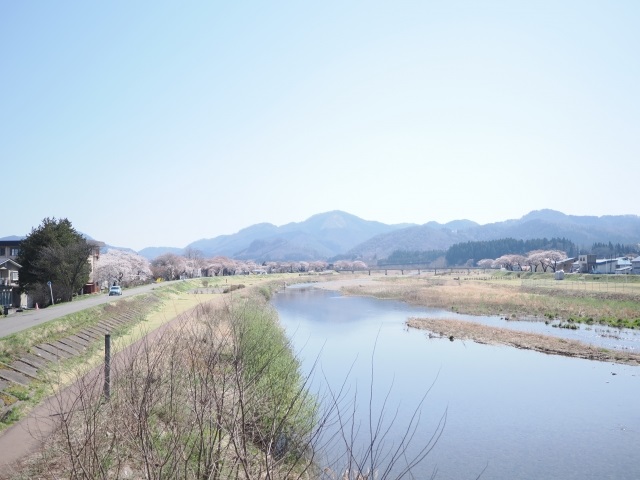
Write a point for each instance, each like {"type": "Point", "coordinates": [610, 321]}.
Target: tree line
{"type": "Point", "coordinates": [604, 250]}
{"type": "Point", "coordinates": [404, 257]}
{"type": "Point", "coordinates": [472, 252]}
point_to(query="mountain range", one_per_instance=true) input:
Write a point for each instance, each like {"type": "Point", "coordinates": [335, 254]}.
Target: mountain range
{"type": "Point", "coordinates": [340, 234]}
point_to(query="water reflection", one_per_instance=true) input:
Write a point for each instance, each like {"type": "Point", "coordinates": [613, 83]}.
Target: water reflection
{"type": "Point", "coordinates": [522, 413]}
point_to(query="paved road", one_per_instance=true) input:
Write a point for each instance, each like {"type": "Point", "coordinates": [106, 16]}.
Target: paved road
{"type": "Point", "coordinates": [30, 318]}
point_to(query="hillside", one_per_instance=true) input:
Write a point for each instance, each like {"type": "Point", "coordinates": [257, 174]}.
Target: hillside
{"type": "Point", "coordinates": [327, 235]}
{"type": "Point", "coordinates": [582, 230]}
{"type": "Point", "coordinates": [319, 237]}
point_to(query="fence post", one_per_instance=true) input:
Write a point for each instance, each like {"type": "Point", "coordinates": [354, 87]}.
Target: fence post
{"type": "Point", "coordinates": [107, 366]}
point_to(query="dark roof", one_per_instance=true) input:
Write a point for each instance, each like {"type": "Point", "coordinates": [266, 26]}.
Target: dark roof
{"type": "Point", "coordinates": [10, 243]}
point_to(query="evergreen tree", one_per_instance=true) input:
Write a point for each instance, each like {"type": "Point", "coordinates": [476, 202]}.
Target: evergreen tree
{"type": "Point", "coordinates": [54, 252]}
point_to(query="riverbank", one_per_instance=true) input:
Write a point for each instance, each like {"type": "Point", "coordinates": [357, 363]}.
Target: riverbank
{"type": "Point", "coordinates": [506, 296]}
{"type": "Point", "coordinates": [453, 329]}
{"type": "Point", "coordinates": [185, 321]}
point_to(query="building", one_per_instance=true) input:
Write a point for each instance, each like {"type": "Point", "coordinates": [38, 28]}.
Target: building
{"type": "Point", "coordinates": [9, 292]}
{"type": "Point", "coordinates": [587, 263]}
{"type": "Point", "coordinates": [566, 265]}
{"type": "Point", "coordinates": [92, 285]}
{"type": "Point", "coordinates": [624, 266]}
{"type": "Point", "coordinates": [9, 272]}
{"type": "Point", "coordinates": [635, 266]}
{"type": "Point", "coordinates": [10, 248]}
{"type": "Point", "coordinates": [604, 266]}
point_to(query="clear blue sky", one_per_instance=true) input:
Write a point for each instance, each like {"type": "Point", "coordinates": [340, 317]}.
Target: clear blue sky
{"type": "Point", "coordinates": [160, 123]}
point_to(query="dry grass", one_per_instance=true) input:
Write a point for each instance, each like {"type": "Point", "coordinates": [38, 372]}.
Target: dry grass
{"type": "Point", "coordinates": [458, 329]}
{"type": "Point", "coordinates": [499, 297]}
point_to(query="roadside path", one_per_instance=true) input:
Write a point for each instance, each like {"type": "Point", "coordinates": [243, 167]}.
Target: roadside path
{"type": "Point", "coordinates": [17, 322]}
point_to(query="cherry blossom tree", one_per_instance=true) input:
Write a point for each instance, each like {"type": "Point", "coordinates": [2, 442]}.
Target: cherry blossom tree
{"type": "Point", "coordinates": [318, 266]}
{"type": "Point", "coordinates": [122, 268]}
{"type": "Point", "coordinates": [546, 259]}
{"type": "Point", "coordinates": [510, 262]}
{"type": "Point", "coordinates": [350, 265]}
{"type": "Point", "coordinates": [485, 263]}
{"type": "Point", "coordinates": [218, 266]}
{"type": "Point", "coordinates": [195, 262]}
{"type": "Point", "coordinates": [168, 266]}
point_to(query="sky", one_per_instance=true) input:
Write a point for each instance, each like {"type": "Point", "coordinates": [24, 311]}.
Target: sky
{"type": "Point", "coordinates": [155, 123]}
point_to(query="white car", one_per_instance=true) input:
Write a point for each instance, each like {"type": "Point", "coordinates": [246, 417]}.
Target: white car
{"type": "Point", "coordinates": [115, 290]}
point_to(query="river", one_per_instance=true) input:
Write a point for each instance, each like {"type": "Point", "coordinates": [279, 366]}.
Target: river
{"type": "Point", "coordinates": [509, 413]}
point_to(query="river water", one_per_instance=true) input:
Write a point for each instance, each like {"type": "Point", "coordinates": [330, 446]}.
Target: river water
{"type": "Point", "coordinates": [509, 413]}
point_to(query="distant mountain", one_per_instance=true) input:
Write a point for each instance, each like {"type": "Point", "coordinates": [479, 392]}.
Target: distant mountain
{"type": "Point", "coordinates": [582, 230]}
{"type": "Point", "coordinates": [319, 237]}
{"type": "Point", "coordinates": [229, 245]}
{"type": "Point", "coordinates": [152, 252]}
{"type": "Point", "coordinates": [454, 225]}
{"type": "Point", "coordinates": [332, 234]}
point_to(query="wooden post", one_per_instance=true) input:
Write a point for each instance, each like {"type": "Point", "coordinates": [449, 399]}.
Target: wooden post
{"type": "Point", "coordinates": [107, 366]}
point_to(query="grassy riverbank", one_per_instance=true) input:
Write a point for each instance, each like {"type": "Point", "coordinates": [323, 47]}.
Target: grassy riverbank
{"type": "Point", "coordinates": [511, 296]}
{"type": "Point", "coordinates": [144, 313]}
{"type": "Point", "coordinates": [220, 390]}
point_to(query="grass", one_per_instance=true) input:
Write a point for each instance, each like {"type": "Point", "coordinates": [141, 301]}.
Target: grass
{"type": "Point", "coordinates": [503, 293]}
{"type": "Point", "coordinates": [228, 349]}
{"type": "Point", "coordinates": [14, 345]}
{"type": "Point", "coordinates": [173, 300]}
{"type": "Point", "coordinates": [459, 329]}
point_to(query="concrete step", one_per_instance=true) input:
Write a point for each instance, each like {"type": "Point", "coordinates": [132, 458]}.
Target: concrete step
{"type": "Point", "coordinates": [91, 333]}
{"type": "Point", "coordinates": [24, 368]}
{"type": "Point", "coordinates": [33, 360]}
{"type": "Point", "coordinates": [73, 344]}
{"type": "Point", "coordinates": [88, 339]}
{"type": "Point", "coordinates": [13, 376]}
{"type": "Point", "coordinates": [39, 352]}
{"type": "Point", "coordinates": [58, 353]}
{"type": "Point", "coordinates": [62, 346]}
{"type": "Point", "coordinates": [83, 342]}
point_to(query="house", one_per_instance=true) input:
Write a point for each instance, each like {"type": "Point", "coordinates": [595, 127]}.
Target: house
{"type": "Point", "coordinates": [587, 263]}
{"type": "Point", "coordinates": [566, 265]}
{"type": "Point", "coordinates": [635, 265]}
{"type": "Point", "coordinates": [92, 285]}
{"type": "Point", "coordinates": [9, 251]}
{"type": "Point", "coordinates": [607, 265]}
{"type": "Point", "coordinates": [9, 248]}
{"type": "Point", "coordinates": [624, 266]}
{"type": "Point", "coordinates": [9, 293]}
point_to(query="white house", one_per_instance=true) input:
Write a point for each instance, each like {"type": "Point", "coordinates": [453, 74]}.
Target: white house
{"type": "Point", "coordinates": [635, 265]}
{"type": "Point", "coordinates": [607, 265]}
{"type": "Point", "coordinates": [624, 266]}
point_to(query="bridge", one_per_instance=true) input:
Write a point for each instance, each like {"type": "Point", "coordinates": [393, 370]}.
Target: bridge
{"type": "Point", "coordinates": [414, 267]}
